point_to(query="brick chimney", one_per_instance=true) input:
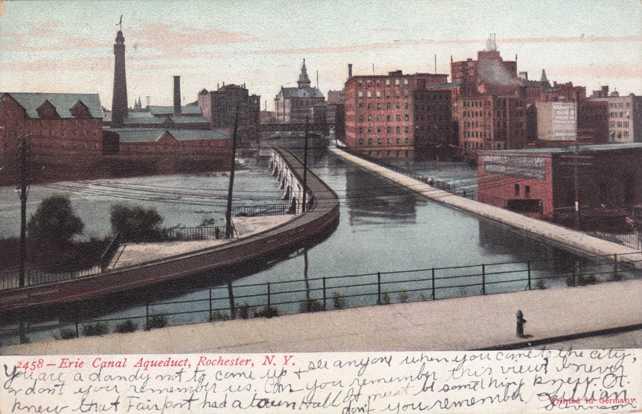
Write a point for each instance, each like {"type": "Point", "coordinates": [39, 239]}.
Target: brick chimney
{"type": "Point", "coordinates": [119, 97]}
{"type": "Point", "coordinates": [349, 70]}
{"type": "Point", "coordinates": [177, 95]}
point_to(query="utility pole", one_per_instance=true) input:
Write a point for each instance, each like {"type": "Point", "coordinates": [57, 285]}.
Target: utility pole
{"type": "Point", "coordinates": [230, 190]}
{"type": "Point", "coordinates": [23, 187]}
{"type": "Point", "coordinates": [305, 166]}
{"type": "Point", "coordinates": [578, 218]}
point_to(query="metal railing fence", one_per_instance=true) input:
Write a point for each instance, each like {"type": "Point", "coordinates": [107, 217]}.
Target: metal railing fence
{"type": "Point", "coordinates": [268, 299]}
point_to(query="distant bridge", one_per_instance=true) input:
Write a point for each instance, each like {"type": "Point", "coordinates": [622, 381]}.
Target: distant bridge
{"type": "Point", "coordinates": [293, 130]}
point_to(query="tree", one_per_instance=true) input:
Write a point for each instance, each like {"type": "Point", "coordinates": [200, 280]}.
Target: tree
{"type": "Point", "coordinates": [136, 223]}
{"type": "Point", "coordinates": [54, 221]}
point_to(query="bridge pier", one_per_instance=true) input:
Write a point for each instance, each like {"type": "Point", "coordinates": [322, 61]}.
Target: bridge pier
{"type": "Point", "coordinates": [291, 185]}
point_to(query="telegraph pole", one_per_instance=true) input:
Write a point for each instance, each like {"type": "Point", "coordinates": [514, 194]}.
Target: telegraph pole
{"type": "Point", "coordinates": [230, 190]}
{"type": "Point", "coordinates": [23, 187]}
{"type": "Point", "coordinates": [578, 218]}
{"type": "Point", "coordinates": [576, 161]}
{"type": "Point", "coordinates": [305, 166]}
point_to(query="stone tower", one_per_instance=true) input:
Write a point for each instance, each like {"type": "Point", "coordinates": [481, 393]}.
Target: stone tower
{"type": "Point", "coordinates": [304, 80]}
{"type": "Point", "coordinates": [119, 98]}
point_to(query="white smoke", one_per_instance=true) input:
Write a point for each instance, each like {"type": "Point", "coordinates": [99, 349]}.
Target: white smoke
{"type": "Point", "coordinates": [493, 72]}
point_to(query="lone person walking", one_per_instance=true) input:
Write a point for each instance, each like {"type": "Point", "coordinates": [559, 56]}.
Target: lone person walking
{"type": "Point", "coordinates": [520, 324]}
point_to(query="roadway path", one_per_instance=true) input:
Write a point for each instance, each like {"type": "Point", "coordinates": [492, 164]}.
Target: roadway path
{"type": "Point", "coordinates": [550, 233]}
{"type": "Point", "coordinates": [453, 324]}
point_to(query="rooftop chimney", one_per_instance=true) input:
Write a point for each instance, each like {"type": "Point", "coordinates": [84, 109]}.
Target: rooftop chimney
{"type": "Point", "coordinates": [177, 95]}
{"type": "Point", "coordinates": [349, 70]}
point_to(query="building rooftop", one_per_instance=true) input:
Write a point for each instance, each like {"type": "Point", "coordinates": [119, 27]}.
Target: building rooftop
{"type": "Point", "coordinates": [147, 118]}
{"type": "Point", "coordinates": [305, 92]}
{"type": "Point", "coordinates": [169, 110]}
{"type": "Point", "coordinates": [134, 135]}
{"type": "Point", "coordinates": [62, 102]}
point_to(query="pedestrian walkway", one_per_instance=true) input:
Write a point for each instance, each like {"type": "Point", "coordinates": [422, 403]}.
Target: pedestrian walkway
{"type": "Point", "coordinates": [550, 233]}
{"type": "Point", "coordinates": [130, 254]}
{"type": "Point", "coordinates": [453, 324]}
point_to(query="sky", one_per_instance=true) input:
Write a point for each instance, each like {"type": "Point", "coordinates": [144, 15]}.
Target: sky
{"type": "Point", "coordinates": [67, 46]}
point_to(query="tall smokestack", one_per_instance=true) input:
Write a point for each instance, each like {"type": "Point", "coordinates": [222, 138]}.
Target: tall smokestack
{"type": "Point", "coordinates": [349, 70]}
{"type": "Point", "coordinates": [177, 95]}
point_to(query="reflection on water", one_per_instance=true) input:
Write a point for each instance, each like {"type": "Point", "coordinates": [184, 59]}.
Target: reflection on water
{"type": "Point", "coordinates": [370, 201]}
{"type": "Point", "coordinates": [383, 228]}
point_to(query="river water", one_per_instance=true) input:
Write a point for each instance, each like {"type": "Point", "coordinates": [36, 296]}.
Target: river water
{"type": "Point", "coordinates": [383, 228]}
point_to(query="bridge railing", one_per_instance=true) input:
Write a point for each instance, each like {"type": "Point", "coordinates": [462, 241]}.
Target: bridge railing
{"type": "Point", "coordinates": [261, 210]}
{"type": "Point", "coordinates": [242, 301]}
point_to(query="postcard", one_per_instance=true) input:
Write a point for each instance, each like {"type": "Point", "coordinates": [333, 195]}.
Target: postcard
{"type": "Point", "coordinates": [332, 207]}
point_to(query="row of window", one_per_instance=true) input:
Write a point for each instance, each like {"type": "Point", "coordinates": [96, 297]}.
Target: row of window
{"type": "Point", "coordinates": [475, 104]}
{"type": "Point", "coordinates": [389, 154]}
{"type": "Point", "coordinates": [388, 118]}
{"type": "Point", "coordinates": [619, 114]}
{"type": "Point", "coordinates": [379, 82]}
{"type": "Point", "coordinates": [480, 145]}
{"type": "Point", "coordinates": [619, 124]}
{"type": "Point", "coordinates": [379, 141]}
{"type": "Point", "coordinates": [382, 94]}
{"type": "Point", "coordinates": [388, 130]}
{"type": "Point", "coordinates": [380, 106]}
{"type": "Point", "coordinates": [476, 134]}
{"type": "Point", "coordinates": [619, 104]}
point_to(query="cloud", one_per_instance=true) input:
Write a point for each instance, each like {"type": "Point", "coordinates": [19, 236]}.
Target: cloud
{"type": "Point", "coordinates": [45, 65]}
{"type": "Point", "coordinates": [170, 41]}
{"type": "Point", "coordinates": [611, 71]}
{"type": "Point", "coordinates": [152, 41]}
{"type": "Point", "coordinates": [364, 47]}
{"type": "Point", "coordinates": [46, 37]}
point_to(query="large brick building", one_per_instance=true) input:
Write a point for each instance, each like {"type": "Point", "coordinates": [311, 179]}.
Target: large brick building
{"type": "Point", "coordinates": [64, 131]}
{"type": "Point", "coordinates": [165, 151]}
{"type": "Point", "coordinates": [490, 109]}
{"type": "Point", "coordinates": [541, 181]}
{"type": "Point", "coordinates": [336, 113]}
{"type": "Point", "coordinates": [219, 108]}
{"type": "Point", "coordinates": [593, 122]}
{"type": "Point", "coordinates": [489, 74]}
{"type": "Point", "coordinates": [295, 105]}
{"type": "Point", "coordinates": [624, 115]}
{"type": "Point", "coordinates": [393, 115]}
{"type": "Point", "coordinates": [491, 122]}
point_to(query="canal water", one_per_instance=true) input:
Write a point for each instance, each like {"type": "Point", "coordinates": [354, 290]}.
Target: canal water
{"type": "Point", "coordinates": [389, 244]}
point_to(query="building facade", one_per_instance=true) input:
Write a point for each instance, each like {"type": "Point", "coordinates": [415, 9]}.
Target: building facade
{"type": "Point", "coordinates": [64, 132]}
{"type": "Point", "coordinates": [542, 181]}
{"type": "Point", "coordinates": [556, 122]}
{"type": "Point", "coordinates": [336, 113]}
{"type": "Point", "coordinates": [386, 115]}
{"type": "Point", "coordinates": [491, 122]}
{"type": "Point", "coordinates": [294, 105]}
{"type": "Point", "coordinates": [593, 122]}
{"type": "Point", "coordinates": [167, 151]}
{"type": "Point", "coordinates": [624, 116]}
{"type": "Point", "coordinates": [219, 108]}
